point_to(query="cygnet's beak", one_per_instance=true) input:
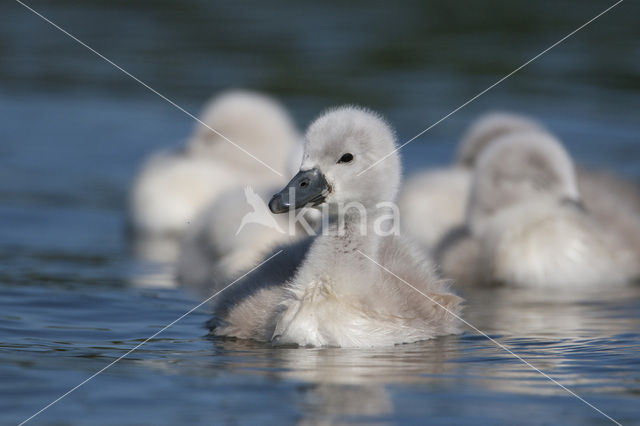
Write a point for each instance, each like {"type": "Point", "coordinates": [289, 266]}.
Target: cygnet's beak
{"type": "Point", "coordinates": [307, 188]}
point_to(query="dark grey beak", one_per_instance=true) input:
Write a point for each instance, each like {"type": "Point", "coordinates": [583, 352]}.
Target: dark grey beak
{"type": "Point", "coordinates": [307, 188]}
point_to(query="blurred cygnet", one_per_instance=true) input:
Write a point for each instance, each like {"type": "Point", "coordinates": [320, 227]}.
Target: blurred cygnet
{"type": "Point", "coordinates": [234, 233]}
{"type": "Point", "coordinates": [434, 201]}
{"type": "Point", "coordinates": [527, 226]}
{"type": "Point", "coordinates": [174, 187]}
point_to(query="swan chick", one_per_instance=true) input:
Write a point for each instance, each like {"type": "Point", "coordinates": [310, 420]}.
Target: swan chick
{"type": "Point", "coordinates": [172, 188]}
{"type": "Point", "coordinates": [235, 231]}
{"type": "Point", "coordinates": [329, 290]}
{"type": "Point", "coordinates": [527, 215]}
{"type": "Point", "coordinates": [435, 201]}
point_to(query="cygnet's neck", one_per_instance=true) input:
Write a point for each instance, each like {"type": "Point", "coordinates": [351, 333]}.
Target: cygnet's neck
{"type": "Point", "coordinates": [344, 240]}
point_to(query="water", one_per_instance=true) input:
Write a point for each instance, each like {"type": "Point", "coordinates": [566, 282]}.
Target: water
{"type": "Point", "coordinates": [73, 130]}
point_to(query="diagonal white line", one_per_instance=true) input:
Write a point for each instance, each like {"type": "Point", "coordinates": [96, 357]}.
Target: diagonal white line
{"type": "Point", "coordinates": [500, 345]}
{"type": "Point", "coordinates": [269, 167]}
{"type": "Point", "coordinates": [494, 85]}
{"type": "Point", "coordinates": [146, 340]}
{"type": "Point", "coordinates": [147, 86]}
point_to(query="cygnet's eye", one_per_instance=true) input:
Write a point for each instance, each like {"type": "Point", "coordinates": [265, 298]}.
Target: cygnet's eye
{"type": "Point", "coordinates": [346, 158]}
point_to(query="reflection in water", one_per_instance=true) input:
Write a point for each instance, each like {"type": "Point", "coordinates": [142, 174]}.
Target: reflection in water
{"type": "Point", "coordinates": [587, 341]}
{"type": "Point", "coordinates": [327, 404]}
{"type": "Point", "coordinates": [153, 274]}
{"type": "Point", "coordinates": [551, 313]}
{"type": "Point", "coordinates": [560, 333]}
{"type": "Point", "coordinates": [344, 382]}
{"type": "Point", "coordinates": [155, 248]}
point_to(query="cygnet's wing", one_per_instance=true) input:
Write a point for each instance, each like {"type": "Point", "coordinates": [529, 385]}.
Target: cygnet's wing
{"type": "Point", "coordinates": [418, 292]}
{"type": "Point", "coordinates": [274, 273]}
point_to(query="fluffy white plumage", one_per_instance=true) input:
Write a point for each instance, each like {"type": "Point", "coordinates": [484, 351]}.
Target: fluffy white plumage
{"type": "Point", "coordinates": [217, 247]}
{"type": "Point", "coordinates": [174, 187]}
{"type": "Point", "coordinates": [322, 291]}
{"type": "Point", "coordinates": [435, 201]}
{"type": "Point", "coordinates": [527, 226]}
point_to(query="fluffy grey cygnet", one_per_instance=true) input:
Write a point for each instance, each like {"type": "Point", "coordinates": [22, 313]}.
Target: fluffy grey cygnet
{"type": "Point", "coordinates": [527, 225]}
{"type": "Point", "coordinates": [329, 290]}
{"type": "Point", "coordinates": [432, 202]}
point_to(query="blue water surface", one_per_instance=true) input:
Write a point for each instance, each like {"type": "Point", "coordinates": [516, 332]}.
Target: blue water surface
{"type": "Point", "coordinates": [73, 130]}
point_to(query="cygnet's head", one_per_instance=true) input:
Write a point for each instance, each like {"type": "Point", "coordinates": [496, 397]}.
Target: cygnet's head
{"type": "Point", "coordinates": [340, 144]}
{"type": "Point", "coordinates": [488, 128]}
{"type": "Point", "coordinates": [518, 168]}
{"type": "Point", "coordinates": [256, 122]}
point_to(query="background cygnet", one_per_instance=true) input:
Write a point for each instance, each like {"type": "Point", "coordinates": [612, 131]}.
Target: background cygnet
{"type": "Point", "coordinates": [528, 224]}
{"type": "Point", "coordinates": [434, 201]}
{"type": "Point", "coordinates": [220, 244]}
{"type": "Point", "coordinates": [173, 187]}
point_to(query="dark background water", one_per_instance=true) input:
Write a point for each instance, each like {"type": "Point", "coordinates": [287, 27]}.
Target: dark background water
{"type": "Point", "coordinates": [73, 130]}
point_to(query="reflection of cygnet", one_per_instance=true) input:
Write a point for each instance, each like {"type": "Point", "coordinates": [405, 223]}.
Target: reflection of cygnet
{"type": "Point", "coordinates": [530, 229]}
{"type": "Point", "coordinates": [174, 187]}
{"type": "Point", "coordinates": [325, 291]}
{"type": "Point", "coordinates": [433, 202]}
